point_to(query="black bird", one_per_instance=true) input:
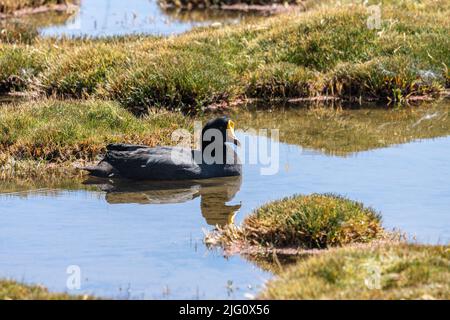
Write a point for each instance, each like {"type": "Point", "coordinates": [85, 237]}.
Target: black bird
{"type": "Point", "coordinates": [137, 162]}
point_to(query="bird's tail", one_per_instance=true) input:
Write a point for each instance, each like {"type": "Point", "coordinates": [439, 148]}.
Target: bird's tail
{"type": "Point", "coordinates": [102, 170]}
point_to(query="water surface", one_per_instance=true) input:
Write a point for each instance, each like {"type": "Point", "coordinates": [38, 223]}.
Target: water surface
{"type": "Point", "coordinates": [144, 240]}
{"type": "Point", "coordinates": [98, 18]}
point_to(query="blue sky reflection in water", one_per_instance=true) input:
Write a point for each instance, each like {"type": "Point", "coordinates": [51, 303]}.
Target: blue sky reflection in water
{"type": "Point", "coordinates": [143, 242]}
{"type": "Point", "coordinates": [97, 18]}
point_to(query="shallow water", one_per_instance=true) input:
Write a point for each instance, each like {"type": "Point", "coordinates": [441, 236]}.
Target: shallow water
{"type": "Point", "coordinates": [144, 240]}
{"type": "Point", "coordinates": [97, 18]}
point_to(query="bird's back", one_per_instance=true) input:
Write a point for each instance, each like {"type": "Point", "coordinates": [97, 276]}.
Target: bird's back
{"type": "Point", "coordinates": [159, 163]}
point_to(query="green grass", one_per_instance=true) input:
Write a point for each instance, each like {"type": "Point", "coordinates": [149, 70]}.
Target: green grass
{"type": "Point", "coordinates": [12, 290]}
{"type": "Point", "coordinates": [55, 131]}
{"type": "Point", "coordinates": [18, 67]}
{"type": "Point", "coordinates": [402, 271]}
{"type": "Point", "coordinates": [326, 51]}
{"type": "Point", "coordinates": [308, 222]}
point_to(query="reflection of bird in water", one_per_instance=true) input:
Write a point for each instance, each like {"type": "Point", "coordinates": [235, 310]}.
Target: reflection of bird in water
{"type": "Point", "coordinates": [214, 198]}
{"type": "Point", "coordinates": [214, 194]}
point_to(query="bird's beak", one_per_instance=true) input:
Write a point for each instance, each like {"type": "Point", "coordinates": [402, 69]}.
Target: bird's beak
{"type": "Point", "coordinates": [230, 134]}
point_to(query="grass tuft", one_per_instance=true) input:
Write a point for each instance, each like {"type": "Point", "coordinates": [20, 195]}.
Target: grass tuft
{"type": "Point", "coordinates": [12, 290]}
{"type": "Point", "coordinates": [18, 68]}
{"type": "Point", "coordinates": [16, 31]}
{"type": "Point", "coordinates": [308, 222]}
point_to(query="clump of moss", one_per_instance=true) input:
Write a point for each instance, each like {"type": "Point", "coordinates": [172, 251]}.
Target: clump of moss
{"type": "Point", "coordinates": [12, 290]}
{"type": "Point", "coordinates": [314, 221]}
{"type": "Point", "coordinates": [402, 271]}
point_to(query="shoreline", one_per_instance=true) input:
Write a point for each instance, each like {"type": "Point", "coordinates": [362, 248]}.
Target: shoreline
{"type": "Point", "coordinates": [254, 251]}
{"type": "Point", "coordinates": [60, 8]}
{"type": "Point", "coordinates": [270, 9]}
{"type": "Point", "coordinates": [261, 9]}
{"type": "Point", "coordinates": [221, 106]}
{"type": "Point", "coordinates": [19, 96]}
{"type": "Point", "coordinates": [331, 240]}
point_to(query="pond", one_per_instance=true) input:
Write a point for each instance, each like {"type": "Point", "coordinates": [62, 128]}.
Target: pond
{"type": "Point", "coordinates": [144, 240]}
{"type": "Point", "coordinates": [99, 18]}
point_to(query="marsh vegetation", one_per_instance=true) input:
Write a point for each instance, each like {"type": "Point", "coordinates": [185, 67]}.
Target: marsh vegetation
{"type": "Point", "coordinates": [82, 93]}
{"type": "Point", "coordinates": [357, 259]}
{"type": "Point", "coordinates": [328, 50]}
{"type": "Point", "coordinates": [402, 271]}
{"type": "Point", "coordinates": [52, 130]}
{"type": "Point", "coordinates": [13, 290]}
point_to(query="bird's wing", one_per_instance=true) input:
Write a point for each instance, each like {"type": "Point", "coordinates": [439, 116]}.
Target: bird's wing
{"type": "Point", "coordinates": [161, 163]}
{"type": "Point", "coordinates": [124, 147]}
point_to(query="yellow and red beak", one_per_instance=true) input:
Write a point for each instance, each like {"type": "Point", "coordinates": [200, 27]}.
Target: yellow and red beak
{"type": "Point", "coordinates": [230, 133]}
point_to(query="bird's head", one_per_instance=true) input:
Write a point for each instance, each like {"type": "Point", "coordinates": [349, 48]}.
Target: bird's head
{"type": "Point", "coordinates": [225, 126]}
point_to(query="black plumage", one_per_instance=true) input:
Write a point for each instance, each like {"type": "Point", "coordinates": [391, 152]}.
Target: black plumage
{"type": "Point", "coordinates": [172, 163]}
